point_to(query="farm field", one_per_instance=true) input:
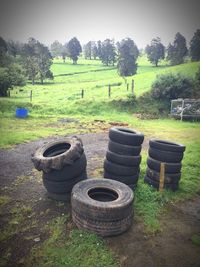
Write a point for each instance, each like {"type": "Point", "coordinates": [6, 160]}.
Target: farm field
{"type": "Point", "coordinates": [58, 110]}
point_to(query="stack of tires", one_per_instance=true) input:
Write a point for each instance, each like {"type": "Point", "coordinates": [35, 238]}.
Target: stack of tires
{"type": "Point", "coordinates": [102, 206]}
{"type": "Point", "coordinates": [63, 164]}
{"type": "Point", "coordinates": [123, 156]}
{"type": "Point", "coordinates": [171, 154]}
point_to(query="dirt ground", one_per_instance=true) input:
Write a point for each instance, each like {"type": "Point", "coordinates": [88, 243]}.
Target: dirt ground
{"type": "Point", "coordinates": [22, 185]}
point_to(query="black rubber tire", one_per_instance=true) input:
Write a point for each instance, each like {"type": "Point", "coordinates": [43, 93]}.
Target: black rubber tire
{"type": "Point", "coordinates": [54, 155]}
{"type": "Point", "coordinates": [169, 167]}
{"type": "Point", "coordinates": [124, 149]}
{"type": "Point", "coordinates": [122, 178]}
{"type": "Point", "coordinates": [59, 197]}
{"type": "Point", "coordinates": [169, 177]}
{"type": "Point", "coordinates": [155, 184]}
{"type": "Point", "coordinates": [120, 169]}
{"type": "Point", "coordinates": [166, 145]}
{"type": "Point", "coordinates": [165, 156]}
{"type": "Point", "coordinates": [68, 172]}
{"type": "Point", "coordinates": [104, 229]}
{"type": "Point", "coordinates": [123, 160]}
{"type": "Point", "coordinates": [63, 187]}
{"type": "Point", "coordinates": [126, 136]}
{"type": "Point", "coordinates": [86, 202]}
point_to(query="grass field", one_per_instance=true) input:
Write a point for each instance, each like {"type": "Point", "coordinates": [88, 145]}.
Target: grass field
{"type": "Point", "coordinates": [60, 98]}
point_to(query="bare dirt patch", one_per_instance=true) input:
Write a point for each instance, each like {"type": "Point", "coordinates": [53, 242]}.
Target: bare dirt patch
{"type": "Point", "coordinates": [25, 211]}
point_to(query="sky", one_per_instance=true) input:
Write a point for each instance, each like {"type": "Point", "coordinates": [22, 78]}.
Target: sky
{"type": "Point", "coordinates": [141, 20]}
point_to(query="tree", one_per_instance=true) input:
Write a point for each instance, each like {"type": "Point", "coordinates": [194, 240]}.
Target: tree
{"type": "Point", "coordinates": [99, 49]}
{"type": "Point", "coordinates": [64, 52]}
{"type": "Point", "coordinates": [155, 51]}
{"type": "Point", "coordinates": [3, 46]}
{"type": "Point", "coordinates": [128, 54]}
{"type": "Point", "coordinates": [108, 53]}
{"type": "Point", "coordinates": [88, 50]}
{"type": "Point", "coordinates": [94, 50]}
{"type": "Point", "coordinates": [37, 60]}
{"type": "Point", "coordinates": [56, 49]}
{"type": "Point", "coordinates": [195, 46]}
{"type": "Point", "coordinates": [74, 49]}
{"type": "Point", "coordinates": [177, 51]}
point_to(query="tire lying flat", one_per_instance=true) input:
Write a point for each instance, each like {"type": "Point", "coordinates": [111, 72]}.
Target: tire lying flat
{"type": "Point", "coordinates": [165, 156]}
{"type": "Point", "coordinates": [169, 167]}
{"type": "Point", "coordinates": [169, 177]}
{"type": "Point", "coordinates": [166, 145]}
{"type": "Point", "coordinates": [122, 159]}
{"type": "Point", "coordinates": [155, 184]}
{"type": "Point", "coordinates": [120, 169]}
{"type": "Point", "coordinates": [126, 150]}
{"type": "Point", "coordinates": [126, 136]}
{"type": "Point", "coordinates": [132, 179]}
{"type": "Point", "coordinates": [102, 206]}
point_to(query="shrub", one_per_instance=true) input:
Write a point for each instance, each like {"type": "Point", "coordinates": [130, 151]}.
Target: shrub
{"type": "Point", "coordinates": [172, 86]}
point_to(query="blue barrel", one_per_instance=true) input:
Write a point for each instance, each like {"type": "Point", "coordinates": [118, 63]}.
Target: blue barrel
{"type": "Point", "coordinates": [21, 112]}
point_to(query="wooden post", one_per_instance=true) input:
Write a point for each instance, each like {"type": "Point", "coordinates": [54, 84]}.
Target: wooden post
{"type": "Point", "coordinates": [82, 93]}
{"type": "Point", "coordinates": [132, 86]}
{"type": "Point", "coordinates": [127, 86]}
{"type": "Point", "coordinates": [109, 90]}
{"type": "Point", "coordinates": [31, 95]}
{"type": "Point", "coordinates": [162, 176]}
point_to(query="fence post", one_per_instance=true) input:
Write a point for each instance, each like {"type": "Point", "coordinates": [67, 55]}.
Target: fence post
{"type": "Point", "coordinates": [31, 95]}
{"type": "Point", "coordinates": [132, 86]}
{"type": "Point", "coordinates": [127, 86]}
{"type": "Point", "coordinates": [109, 90]}
{"type": "Point", "coordinates": [82, 93]}
{"type": "Point", "coordinates": [162, 176]}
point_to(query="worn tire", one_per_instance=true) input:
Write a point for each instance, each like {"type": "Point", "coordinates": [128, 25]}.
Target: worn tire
{"type": "Point", "coordinates": [124, 149]}
{"type": "Point", "coordinates": [63, 187]}
{"type": "Point", "coordinates": [133, 186]}
{"type": "Point", "coordinates": [169, 177]}
{"type": "Point", "coordinates": [68, 171]}
{"type": "Point", "coordinates": [122, 178]}
{"type": "Point", "coordinates": [165, 156]}
{"type": "Point", "coordinates": [169, 167]}
{"type": "Point", "coordinates": [123, 160]}
{"type": "Point", "coordinates": [102, 200]}
{"type": "Point", "coordinates": [126, 136]}
{"type": "Point", "coordinates": [155, 184]}
{"type": "Point", "coordinates": [54, 155]}
{"type": "Point", "coordinates": [120, 169]}
{"type": "Point", "coordinates": [166, 145]}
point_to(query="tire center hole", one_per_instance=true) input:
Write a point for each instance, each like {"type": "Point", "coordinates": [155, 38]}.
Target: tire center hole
{"type": "Point", "coordinates": [56, 150]}
{"type": "Point", "coordinates": [127, 131]}
{"type": "Point", "coordinates": [103, 194]}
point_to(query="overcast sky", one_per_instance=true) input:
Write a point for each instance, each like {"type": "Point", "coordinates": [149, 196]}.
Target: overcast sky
{"type": "Point", "coordinates": [141, 20]}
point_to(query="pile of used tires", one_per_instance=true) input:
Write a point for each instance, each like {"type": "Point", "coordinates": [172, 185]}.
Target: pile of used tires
{"type": "Point", "coordinates": [123, 156]}
{"type": "Point", "coordinates": [63, 164]}
{"type": "Point", "coordinates": [102, 206]}
{"type": "Point", "coordinates": [171, 154]}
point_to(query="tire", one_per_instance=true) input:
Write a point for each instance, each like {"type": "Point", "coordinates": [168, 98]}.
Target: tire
{"type": "Point", "coordinates": [55, 155]}
{"type": "Point", "coordinates": [63, 187]}
{"type": "Point", "coordinates": [165, 156]}
{"type": "Point", "coordinates": [155, 184]}
{"type": "Point", "coordinates": [169, 167]}
{"type": "Point", "coordinates": [126, 136]}
{"type": "Point", "coordinates": [124, 149]}
{"type": "Point", "coordinates": [123, 160]}
{"type": "Point", "coordinates": [68, 172]}
{"type": "Point", "coordinates": [120, 169]}
{"type": "Point", "coordinates": [123, 179]}
{"type": "Point", "coordinates": [166, 145]}
{"type": "Point", "coordinates": [102, 200]}
{"type": "Point", "coordinates": [169, 178]}
{"type": "Point", "coordinates": [102, 228]}
{"type": "Point", "coordinates": [59, 197]}
{"type": "Point", "coordinates": [133, 186]}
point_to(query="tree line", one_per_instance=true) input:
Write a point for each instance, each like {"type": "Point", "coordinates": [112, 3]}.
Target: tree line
{"type": "Point", "coordinates": [33, 59]}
